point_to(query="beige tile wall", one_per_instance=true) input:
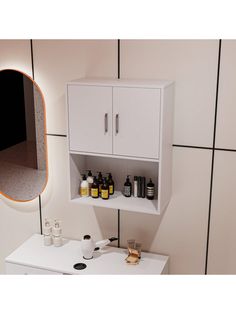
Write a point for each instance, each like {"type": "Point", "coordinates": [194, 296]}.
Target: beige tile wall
{"type": "Point", "coordinates": [192, 64]}
{"type": "Point", "coordinates": [182, 231]}
{"type": "Point", "coordinates": [17, 220]}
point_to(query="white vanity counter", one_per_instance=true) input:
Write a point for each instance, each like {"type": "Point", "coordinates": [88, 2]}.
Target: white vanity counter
{"type": "Point", "coordinates": [32, 257]}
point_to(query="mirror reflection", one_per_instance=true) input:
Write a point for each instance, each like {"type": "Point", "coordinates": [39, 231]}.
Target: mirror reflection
{"type": "Point", "coordinates": [23, 159]}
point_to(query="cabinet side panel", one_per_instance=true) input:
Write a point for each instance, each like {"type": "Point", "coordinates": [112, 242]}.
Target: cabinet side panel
{"type": "Point", "coordinates": [165, 166]}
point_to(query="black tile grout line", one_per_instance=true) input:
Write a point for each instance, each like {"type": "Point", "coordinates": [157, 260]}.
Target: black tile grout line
{"type": "Point", "coordinates": [118, 226]}
{"type": "Point", "coordinates": [205, 147]}
{"type": "Point", "coordinates": [118, 76]}
{"type": "Point", "coordinates": [32, 57]}
{"type": "Point", "coordinates": [226, 149]}
{"type": "Point", "coordinates": [118, 57]}
{"type": "Point", "coordinates": [213, 157]}
{"type": "Point", "coordinates": [61, 135]}
{"type": "Point", "coordinates": [192, 146]}
{"type": "Point", "coordinates": [40, 215]}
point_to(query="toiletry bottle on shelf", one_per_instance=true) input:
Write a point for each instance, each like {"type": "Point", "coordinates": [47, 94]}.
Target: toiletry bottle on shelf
{"type": "Point", "coordinates": [111, 184]}
{"type": "Point", "coordinates": [90, 180]}
{"type": "Point", "coordinates": [47, 233]}
{"type": "Point", "coordinates": [150, 190]}
{"type": "Point", "coordinates": [139, 186]}
{"type": "Point", "coordinates": [100, 182]}
{"type": "Point", "coordinates": [105, 190]}
{"type": "Point", "coordinates": [143, 182]}
{"type": "Point", "coordinates": [84, 187]}
{"type": "Point", "coordinates": [95, 188]}
{"type": "Point", "coordinates": [127, 187]}
{"type": "Point", "coordinates": [56, 232]}
{"type": "Point", "coordinates": [135, 186]}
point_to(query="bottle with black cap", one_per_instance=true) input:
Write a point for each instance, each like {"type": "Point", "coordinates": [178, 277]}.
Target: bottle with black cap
{"type": "Point", "coordinates": [100, 182]}
{"type": "Point", "coordinates": [127, 187]}
{"type": "Point", "coordinates": [111, 184]}
{"type": "Point", "coordinates": [150, 190]}
{"type": "Point", "coordinates": [95, 188]}
{"type": "Point", "coordinates": [105, 190]}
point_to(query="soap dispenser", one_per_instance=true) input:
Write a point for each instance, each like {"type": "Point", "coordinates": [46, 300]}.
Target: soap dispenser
{"type": "Point", "coordinates": [100, 182]}
{"type": "Point", "coordinates": [84, 187]}
{"type": "Point", "coordinates": [127, 187]}
{"type": "Point", "coordinates": [95, 188]}
{"type": "Point", "coordinates": [105, 190]}
{"type": "Point", "coordinates": [90, 180]}
{"type": "Point", "coordinates": [110, 184]}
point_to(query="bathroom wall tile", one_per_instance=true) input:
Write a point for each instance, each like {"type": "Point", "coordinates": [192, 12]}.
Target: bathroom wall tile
{"type": "Point", "coordinates": [59, 61]}
{"type": "Point", "coordinates": [76, 220]}
{"type": "Point", "coordinates": [181, 231]}
{"type": "Point", "coordinates": [226, 131]}
{"type": "Point", "coordinates": [18, 221]}
{"type": "Point", "coordinates": [222, 244]}
{"type": "Point", "coordinates": [192, 64]}
{"type": "Point", "coordinates": [15, 54]}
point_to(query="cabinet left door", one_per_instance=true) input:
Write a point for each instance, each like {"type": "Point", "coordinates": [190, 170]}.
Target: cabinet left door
{"type": "Point", "coordinates": [90, 118]}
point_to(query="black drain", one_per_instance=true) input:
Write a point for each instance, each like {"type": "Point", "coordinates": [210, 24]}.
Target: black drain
{"type": "Point", "coordinates": [80, 266]}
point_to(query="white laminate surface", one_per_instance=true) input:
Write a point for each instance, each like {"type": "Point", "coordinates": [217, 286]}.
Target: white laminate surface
{"type": "Point", "coordinates": [109, 260]}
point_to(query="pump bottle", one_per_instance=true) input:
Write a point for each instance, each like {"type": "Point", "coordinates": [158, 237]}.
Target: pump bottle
{"type": "Point", "coordinates": [84, 187]}
{"type": "Point", "coordinates": [90, 180]}
{"type": "Point", "coordinates": [105, 190]}
{"type": "Point", "coordinates": [95, 188]}
{"type": "Point", "coordinates": [110, 184]}
{"type": "Point", "coordinates": [100, 182]}
{"type": "Point", "coordinates": [127, 187]}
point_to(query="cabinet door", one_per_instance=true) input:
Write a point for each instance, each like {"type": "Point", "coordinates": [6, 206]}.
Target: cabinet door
{"type": "Point", "coordinates": [136, 113]}
{"type": "Point", "coordinates": [90, 118]}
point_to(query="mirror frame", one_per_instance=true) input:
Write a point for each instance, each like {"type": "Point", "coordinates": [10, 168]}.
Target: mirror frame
{"type": "Point", "coordinates": [45, 137]}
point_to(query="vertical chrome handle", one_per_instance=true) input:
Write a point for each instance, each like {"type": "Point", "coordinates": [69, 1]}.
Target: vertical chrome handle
{"type": "Point", "coordinates": [117, 123]}
{"type": "Point", "coordinates": [106, 122]}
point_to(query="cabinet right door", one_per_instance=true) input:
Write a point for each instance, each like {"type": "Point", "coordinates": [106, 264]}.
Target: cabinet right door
{"type": "Point", "coordinates": [136, 124]}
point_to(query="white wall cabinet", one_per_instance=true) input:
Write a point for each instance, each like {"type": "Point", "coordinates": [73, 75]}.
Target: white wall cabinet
{"type": "Point", "coordinates": [136, 116]}
{"type": "Point", "coordinates": [127, 125]}
{"type": "Point", "coordinates": [90, 116]}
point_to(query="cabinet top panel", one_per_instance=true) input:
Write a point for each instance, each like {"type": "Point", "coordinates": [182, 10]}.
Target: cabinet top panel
{"type": "Point", "coordinates": [122, 82]}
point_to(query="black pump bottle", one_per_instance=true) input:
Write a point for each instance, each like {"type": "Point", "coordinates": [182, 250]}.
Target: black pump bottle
{"type": "Point", "coordinates": [111, 184]}
{"type": "Point", "coordinates": [127, 187]}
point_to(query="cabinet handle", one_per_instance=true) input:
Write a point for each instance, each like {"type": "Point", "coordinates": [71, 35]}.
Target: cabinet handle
{"type": "Point", "coordinates": [117, 123]}
{"type": "Point", "coordinates": [106, 122]}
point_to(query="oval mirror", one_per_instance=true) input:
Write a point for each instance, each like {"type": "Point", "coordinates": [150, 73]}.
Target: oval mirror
{"type": "Point", "coordinates": [23, 151]}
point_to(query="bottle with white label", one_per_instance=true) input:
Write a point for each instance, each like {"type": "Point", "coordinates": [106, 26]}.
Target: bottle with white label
{"type": "Point", "coordinates": [90, 180]}
{"type": "Point", "coordinates": [150, 190]}
{"type": "Point", "coordinates": [56, 232]}
{"type": "Point", "coordinates": [135, 186]}
{"type": "Point", "coordinates": [47, 233]}
{"type": "Point", "coordinates": [84, 187]}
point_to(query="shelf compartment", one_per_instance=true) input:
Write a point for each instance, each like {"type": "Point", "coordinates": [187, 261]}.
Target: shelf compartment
{"type": "Point", "coordinates": [118, 201]}
{"type": "Point", "coordinates": [119, 168]}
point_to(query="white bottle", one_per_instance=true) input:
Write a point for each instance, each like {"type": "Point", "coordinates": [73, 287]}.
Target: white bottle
{"type": "Point", "coordinates": [135, 186]}
{"type": "Point", "coordinates": [90, 181]}
{"type": "Point", "coordinates": [47, 233]}
{"type": "Point", "coordinates": [84, 187]}
{"type": "Point", "coordinates": [56, 232]}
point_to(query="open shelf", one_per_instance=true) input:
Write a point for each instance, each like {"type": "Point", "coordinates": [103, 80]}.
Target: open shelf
{"type": "Point", "coordinates": [119, 169]}
{"type": "Point", "coordinates": [118, 201]}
